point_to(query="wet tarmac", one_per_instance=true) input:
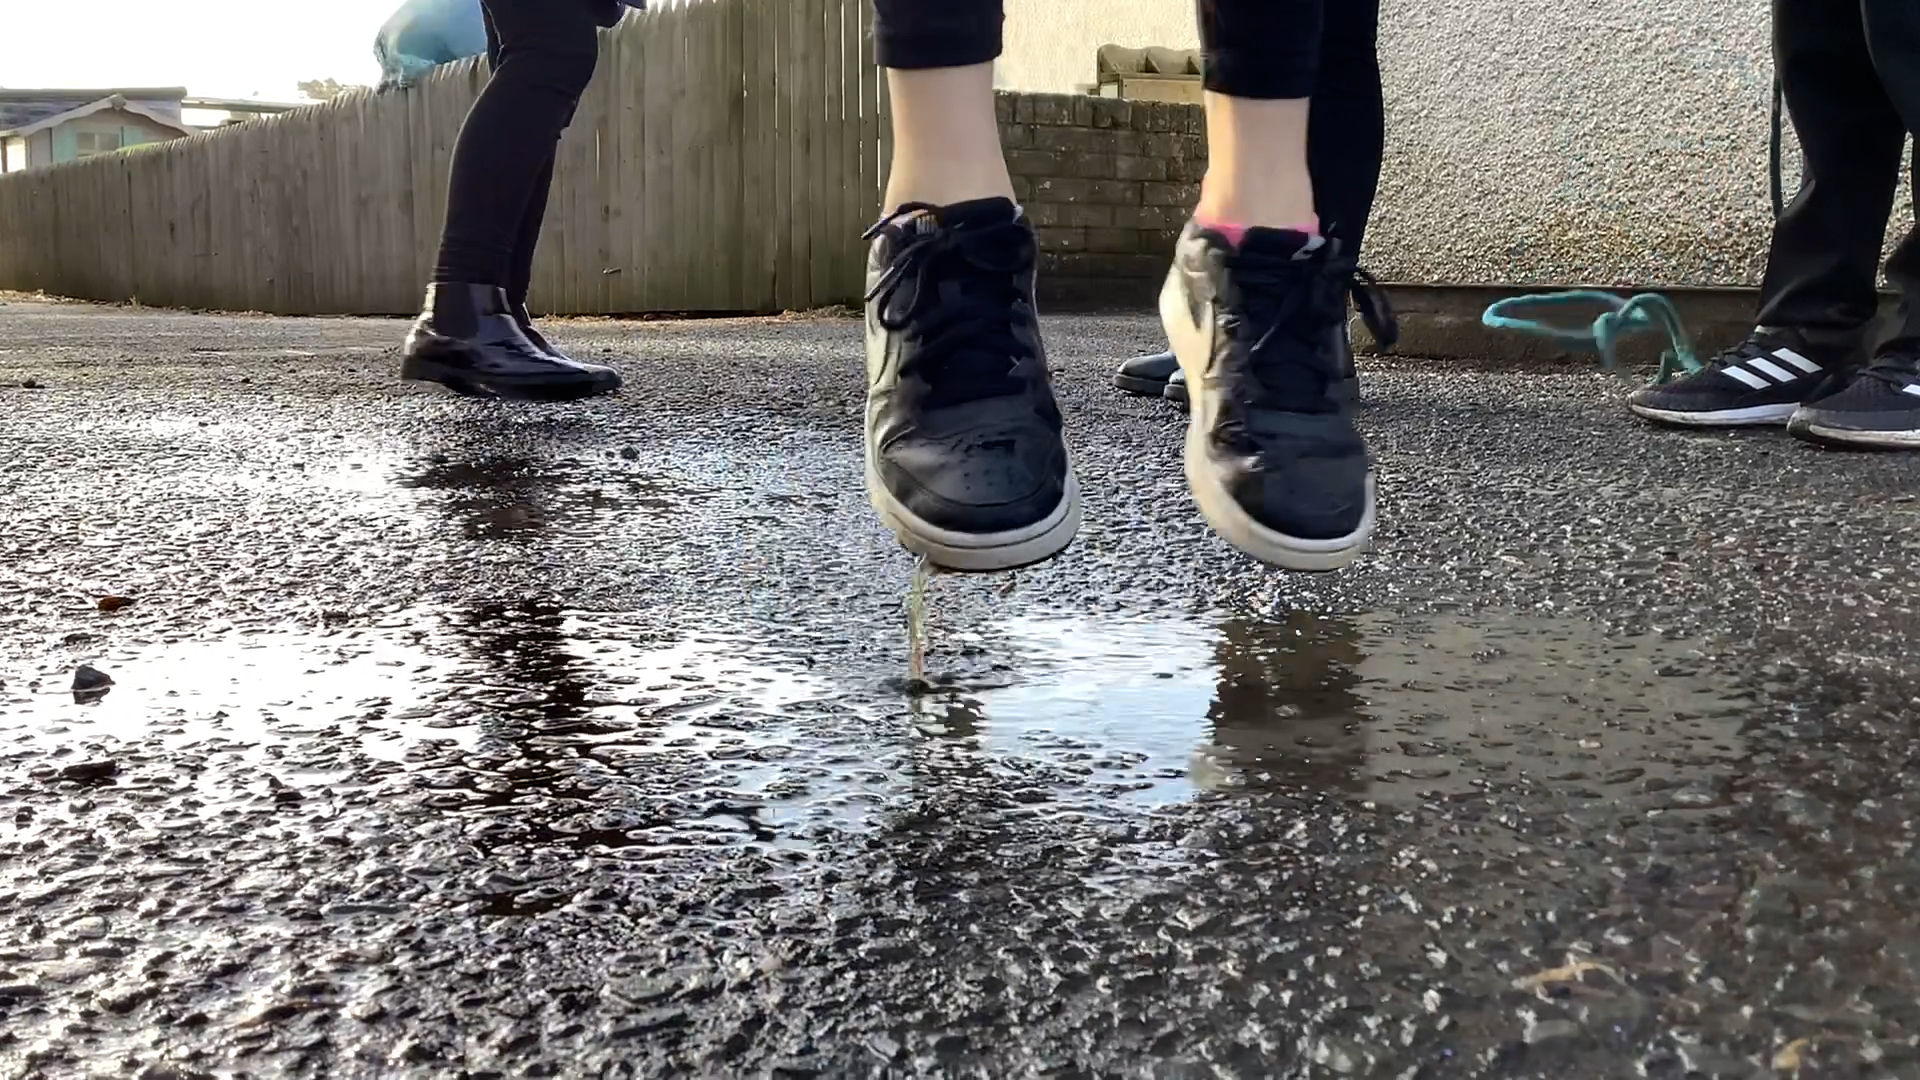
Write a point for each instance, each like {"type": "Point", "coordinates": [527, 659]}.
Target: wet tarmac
{"type": "Point", "coordinates": [442, 738]}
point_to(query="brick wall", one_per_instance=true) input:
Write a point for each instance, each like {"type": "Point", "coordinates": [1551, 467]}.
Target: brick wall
{"type": "Point", "coordinates": [1108, 185]}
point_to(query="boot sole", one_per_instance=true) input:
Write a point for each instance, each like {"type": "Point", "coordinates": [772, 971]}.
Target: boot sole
{"type": "Point", "coordinates": [1217, 506]}
{"type": "Point", "coordinates": [1135, 384]}
{"type": "Point", "coordinates": [461, 382]}
{"type": "Point", "coordinates": [1753, 416]}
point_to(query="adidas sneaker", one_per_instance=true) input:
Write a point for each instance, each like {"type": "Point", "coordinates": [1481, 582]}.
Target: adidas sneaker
{"type": "Point", "coordinates": [1760, 381]}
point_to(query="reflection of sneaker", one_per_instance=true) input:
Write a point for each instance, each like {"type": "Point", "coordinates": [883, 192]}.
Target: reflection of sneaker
{"type": "Point", "coordinates": [468, 340]}
{"type": "Point", "coordinates": [1879, 409]}
{"type": "Point", "coordinates": [1275, 462]}
{"type": "Point", "coordinates": [966, 462]}
{"type": "Point", "coordinates": [1757, 382]}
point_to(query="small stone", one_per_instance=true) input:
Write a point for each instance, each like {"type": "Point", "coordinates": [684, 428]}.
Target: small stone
{"type": "Point", "coordinates": [1546, 1031]}
{"type": "Point", "coordinates": [87, 772]}
{"type": "Point", "coordinates": [91, 928]}
{"type": "Point", "coordinates": [31, 383]}
{"type": "Point", "coordinates": [90, 678]}
{"type": "Point", "coordinates": [113, 603]}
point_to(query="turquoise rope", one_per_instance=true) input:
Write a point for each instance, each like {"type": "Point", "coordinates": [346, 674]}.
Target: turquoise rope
{"type": "Point", "coordinates": [1639, 314]}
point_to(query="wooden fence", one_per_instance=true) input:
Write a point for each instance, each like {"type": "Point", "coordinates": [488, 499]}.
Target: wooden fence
{"type": "Point", "coordinates": [725, 158]}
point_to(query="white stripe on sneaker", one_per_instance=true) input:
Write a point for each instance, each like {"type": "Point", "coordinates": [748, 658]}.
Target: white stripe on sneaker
{"type": "Point", "coordinates": [1911, 388]}
{"type": "Point", "coordinates": [1748, 377]}
{"type": "Point", "coordinates": [1797, 360]}
{"type": "Point", "coordinates": [1772, 370]}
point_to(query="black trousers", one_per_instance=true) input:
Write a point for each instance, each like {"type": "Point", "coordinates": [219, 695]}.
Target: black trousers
{"type": "Point", "coordinates": [1323, 49]}
{"type": "Point", "coordinates": [1850, 71]}
{"type": "Point", "coordinates": [542, 55]}
{"type": "Point", "coordinates": [1254, 48]}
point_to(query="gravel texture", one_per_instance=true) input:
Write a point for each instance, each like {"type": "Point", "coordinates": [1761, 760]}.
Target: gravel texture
{"type": "Point", "coordinates": [438, 738]}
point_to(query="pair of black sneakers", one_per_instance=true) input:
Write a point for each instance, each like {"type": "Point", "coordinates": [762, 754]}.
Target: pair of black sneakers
{"type": "Point", "coordinates": [966, 458]}
{"type": "Point", "coordinates": [1823, 394]}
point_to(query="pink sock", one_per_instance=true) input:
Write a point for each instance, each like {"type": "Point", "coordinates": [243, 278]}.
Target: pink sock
{"type": "Point", "coordinates": [1237, 233]}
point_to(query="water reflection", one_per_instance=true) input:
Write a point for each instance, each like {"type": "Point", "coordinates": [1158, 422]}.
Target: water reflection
{"type": "Point", "coordinates": [1287, 705]}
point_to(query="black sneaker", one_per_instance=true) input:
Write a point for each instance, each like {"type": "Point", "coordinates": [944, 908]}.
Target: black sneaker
{"type": "Point", "coordinates": [1879, 409]}
{"type": "Point", "coordinates": [468, 340]}
{"type": "Point", "coordinates": [1275, 462]}
{"type": "Point", "coordinates": [1758, 382]}
{"type": "Point", "coordinates": [966, 462]}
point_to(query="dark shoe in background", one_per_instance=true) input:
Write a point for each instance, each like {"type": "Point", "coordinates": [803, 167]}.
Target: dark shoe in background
{"type": "Point", "coordinates": [469, 340]}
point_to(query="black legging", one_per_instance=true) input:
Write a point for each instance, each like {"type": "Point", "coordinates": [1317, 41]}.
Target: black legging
{"type": "Point", "coordinates": [1272, 49]}
{"type": "Point", "coordinates": [542, 55]}
{"type": "Point", "coordinates": [1254, 48]}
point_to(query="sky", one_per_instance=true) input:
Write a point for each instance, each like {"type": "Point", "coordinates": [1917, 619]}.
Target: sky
{"type": "Point", "coordinates": [214, 48]}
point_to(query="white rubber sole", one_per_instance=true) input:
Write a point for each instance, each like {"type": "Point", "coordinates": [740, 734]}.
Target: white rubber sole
{"type": "Point", "coordinates": [1878, 440]}
{"type": "Point", "coordinates": [1217, 506]}
{"type": "Point", "coordinates": [978, 553]}
{"type": "Point", "coordinates": [1754, 416]}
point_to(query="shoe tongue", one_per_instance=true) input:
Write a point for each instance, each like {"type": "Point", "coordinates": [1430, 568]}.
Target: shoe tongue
{"type": "Point", "coordinates": [1281, 243]}
{"type": "Point", "coordinates": [975, 212]}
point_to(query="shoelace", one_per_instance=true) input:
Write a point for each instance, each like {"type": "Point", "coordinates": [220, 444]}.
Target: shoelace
{"type": "Point", "coordinates": [957, 291]}
{"type": "Point", "coordinates": [1296, 304]}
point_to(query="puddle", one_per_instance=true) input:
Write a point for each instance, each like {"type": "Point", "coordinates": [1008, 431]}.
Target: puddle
{"type": "Point", "coordinates": [1372, 707]}
{"type": "Point", "coordinates": [616, 731]}
{"type": "Point", "coordinates": [249, 690]}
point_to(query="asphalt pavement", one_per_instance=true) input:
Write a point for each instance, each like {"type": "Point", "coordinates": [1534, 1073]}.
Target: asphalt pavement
{"type": "Point", "coordinates": [440, 738]}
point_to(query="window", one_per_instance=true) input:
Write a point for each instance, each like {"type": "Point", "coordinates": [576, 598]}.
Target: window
{"type": "Point", "coordinates": [88, 143]}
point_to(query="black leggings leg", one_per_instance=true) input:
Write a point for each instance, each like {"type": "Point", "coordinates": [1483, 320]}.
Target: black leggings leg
{"type": "Point", "coordinates": [1268, 49]}
{"type": "Point", "coordinates": [912, 35]}
{"type": "Point", "coordinates": [1254, 48]}
{"type": "Point", "coordinates": [1347, 122]}
{"type": "Point", "coordinates": [543, 59]}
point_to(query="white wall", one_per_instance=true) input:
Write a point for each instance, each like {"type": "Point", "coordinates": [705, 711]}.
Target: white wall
{"type": "Point", "coordinates": [1528, 140]}
{"type": "Point", "coordinates": [1051, 43]}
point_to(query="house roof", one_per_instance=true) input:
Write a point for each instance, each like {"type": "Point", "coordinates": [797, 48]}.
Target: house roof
{"type": "Point", "coordinates": [20, 107]}
{"type": "Point", "coordinates": [111, 101]}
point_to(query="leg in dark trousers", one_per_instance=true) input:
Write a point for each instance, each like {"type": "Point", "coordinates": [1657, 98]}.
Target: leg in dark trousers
{"type": "Point", "coordinates": [474, 335]}
{"type": "Point", "coordinates": [1880, 408]}
{"type": "Point", "coordinates": [1893, 40]}
{"type": "Point", "coordinates": [1825, 259]}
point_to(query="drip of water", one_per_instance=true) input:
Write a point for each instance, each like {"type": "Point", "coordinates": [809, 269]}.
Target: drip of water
{"type": "Point", "coordinates": [916, 609]}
